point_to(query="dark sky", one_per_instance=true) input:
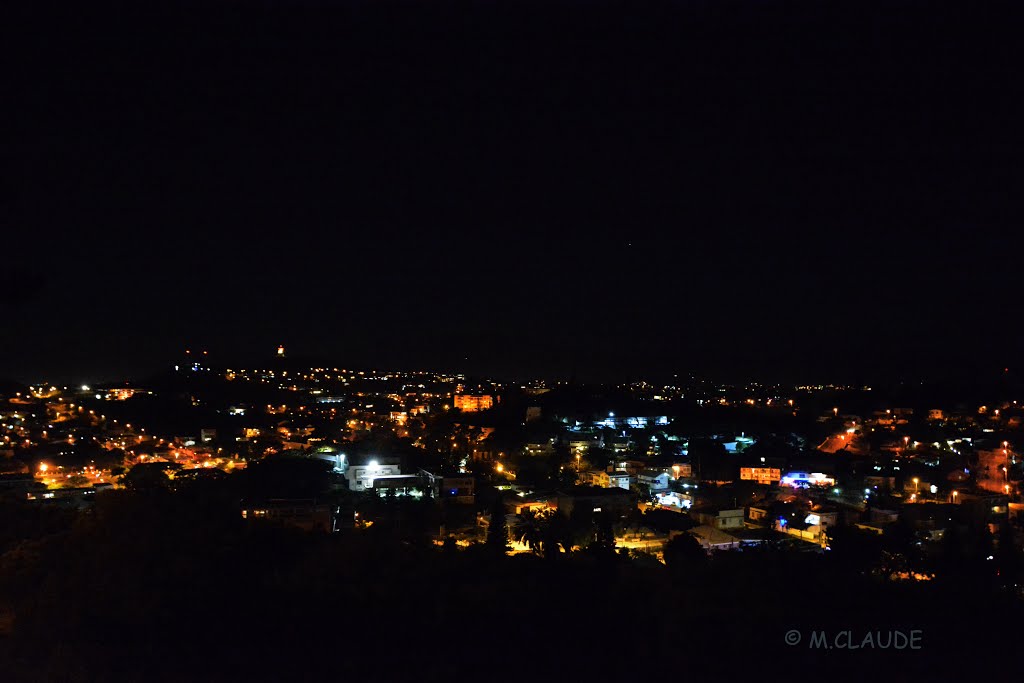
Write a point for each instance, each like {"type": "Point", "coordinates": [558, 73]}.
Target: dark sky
{"type": "Point", "coordinates": [765, 189]}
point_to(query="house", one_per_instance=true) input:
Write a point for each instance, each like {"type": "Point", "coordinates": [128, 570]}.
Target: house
{"type": "Point", "coordinates": [878, 516]}
{"type": "Point", "coordinates": [619, 444]}
{"type": "Point", "coordinates": [518, 505]}
{"type": "Point", "coordinates": [711, 538]}
{"type": "Point", "coordinates": [605, 479]}
{"type": "Point", "coordinates": [620, 480]}
{"type": "Point", "coordinates": [615, 500]}
{"type": "Point", "coordinates": [579, 442]}
{"type": "Point", "coordinates": [339, 462]}
{"type": "Point", "coordinates": [537, 448]}
{"type": "Point", "coordinates": [682, 470]}
{"type": "Point", "coordinates": [654, 480]}
{"type": "Point", "coordinates": [824, 516]}
{"type": "Point", "coordinates": [306, 514]}
{"type": "Point", "coordinates": [758, 514]}
{"type": "Point", "coordinates": [452, 486]}
{"type": "Point", "coordinates": [633, 467]}
{"type": "Point", "coordinates": [801, 529]}
{"type": "Point", "coordinates": [731, 518]}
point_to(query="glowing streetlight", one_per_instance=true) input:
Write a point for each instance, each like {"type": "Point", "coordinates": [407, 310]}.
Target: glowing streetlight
{"type": "Point", "coordinates": [499, 468]}
{"type": "Point", "coordinates": [916, 481]}
{"type": "Point", "coordinates": [954, 496]}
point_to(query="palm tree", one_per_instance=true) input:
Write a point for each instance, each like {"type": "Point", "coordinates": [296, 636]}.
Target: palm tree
{"type": "Point", "coordinates": [530, 530]}
{"type": "Point", "coordinates": [544, 532]}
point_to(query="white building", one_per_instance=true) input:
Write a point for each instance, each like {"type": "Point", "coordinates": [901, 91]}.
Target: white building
{"type": "Point", "coordinates": [655, 480]}
{"type": "Point", "coordinates": [619, 480]}
{"type": "Point", "coordinates": [360, 477]}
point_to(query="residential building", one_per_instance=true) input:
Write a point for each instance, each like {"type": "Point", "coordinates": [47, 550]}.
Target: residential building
{"type": "Point", "coordinates": [654, 480]}
{"type": "Point", "coordinates": [469, 403]}
{"type": "Point", "coordinates": [306, 514]}
{"type": "Point", "coordinates": [540, 448]}
{"type": "Point", "coordinates": [615, 500]}
{"type": "Point", "coordinates": [712, 538]}
{"type": "Point", "coordinates": [579, 442]}
{"type": "Point", "coordinates": [730, 518]}
{"type": "Point", "coordinates": [620, 480]}
{"type": "Point", "coordinates": [457, 487]}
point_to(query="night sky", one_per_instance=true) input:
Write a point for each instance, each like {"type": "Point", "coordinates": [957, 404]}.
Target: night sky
{"type": "Point", "coordinates": [776, 190]}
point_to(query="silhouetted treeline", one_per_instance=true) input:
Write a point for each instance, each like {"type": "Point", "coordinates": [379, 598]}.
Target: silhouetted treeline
{"type": "Point", "coordinates": [161, 586]}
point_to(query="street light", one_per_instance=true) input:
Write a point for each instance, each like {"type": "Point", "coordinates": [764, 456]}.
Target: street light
{"type": "Point", "coordinates": [916, 480]}
{"type": "Point", "coordinates": [954, 496]}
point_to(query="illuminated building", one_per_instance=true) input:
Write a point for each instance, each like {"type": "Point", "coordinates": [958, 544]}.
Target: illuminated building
{"type": "Point", "coordinates": [762, 475]}
{"type": "Point", "coordinates": [540, 447]}
{"type": "Point", "coordinates": [673, 500]}
{"type": "Point", "coordinates": [469, 403]}
{"type": "Point", "coordinates": [607, 480]}
{"type": "Point", "coordinates": [581, 441]}
{"type": "Point", "coordinates": [122, 394]}
{"type": "Point", "coordinates": [806, 480]}
{"type": "Point", "coordinates": [299, 513]}
{"type": "Point", "coordinates": [682, 470]}
{"type": "Point", "coordinates": [398, 485]}
{"type": "Point", "coordinates": [360, 477]}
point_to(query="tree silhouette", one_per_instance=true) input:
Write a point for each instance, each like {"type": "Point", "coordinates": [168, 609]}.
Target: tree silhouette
{"type": "Point", "coordinates": [497, 529]}
{"type": "Point", "coordinates": [685, 554]}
